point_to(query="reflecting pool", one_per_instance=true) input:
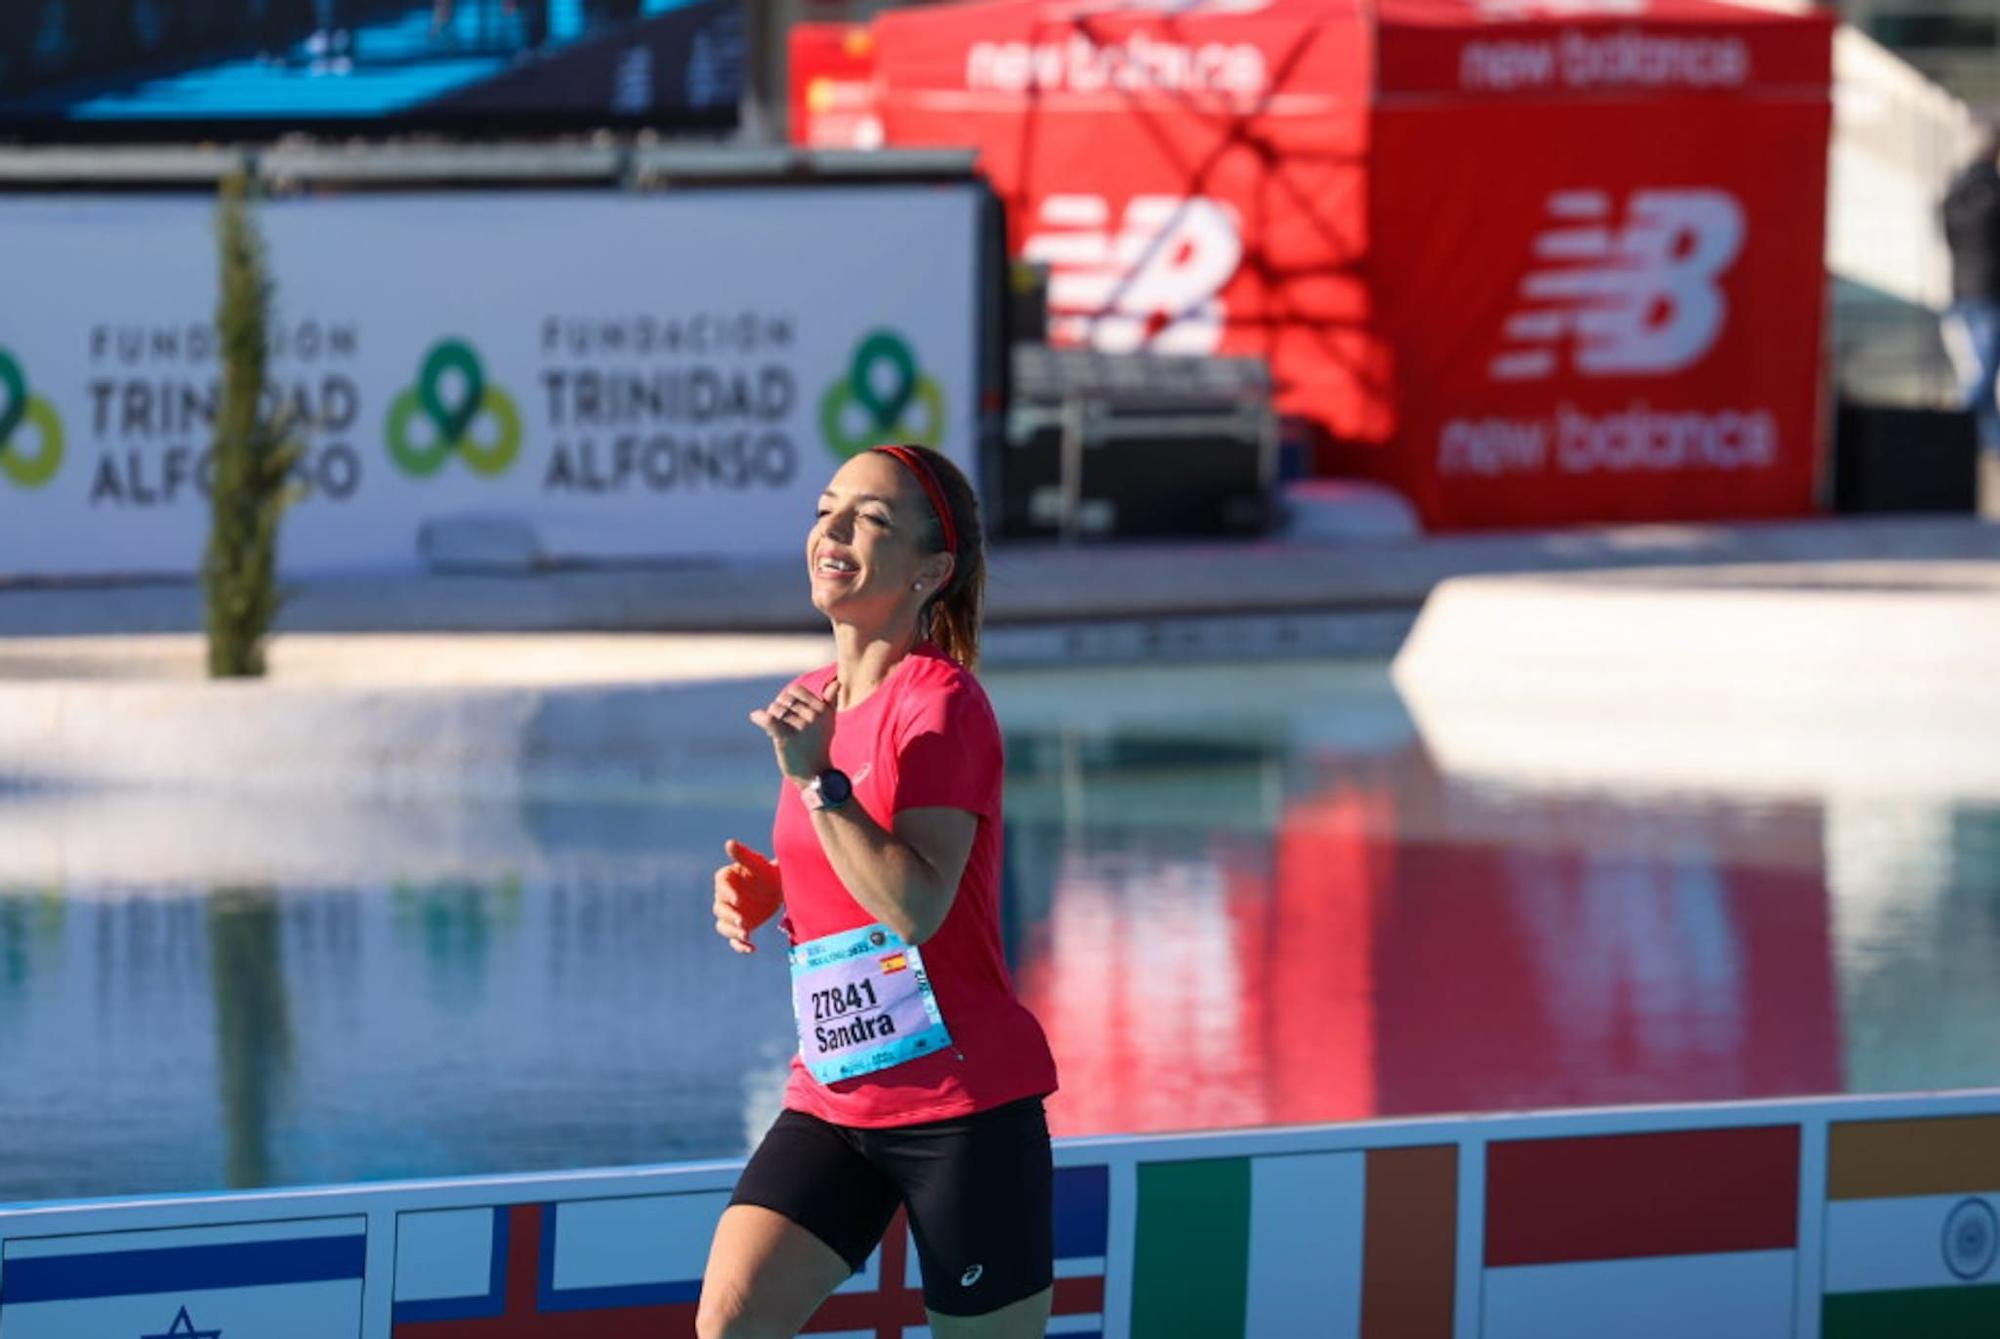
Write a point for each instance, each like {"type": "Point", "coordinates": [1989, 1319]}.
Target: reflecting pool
{"type": "Point", "coordinates": [1237, 895]}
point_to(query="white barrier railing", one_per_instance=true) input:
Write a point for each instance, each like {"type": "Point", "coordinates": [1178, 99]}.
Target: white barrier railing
{"type": "Point", "coordinates": [1741, 1219]}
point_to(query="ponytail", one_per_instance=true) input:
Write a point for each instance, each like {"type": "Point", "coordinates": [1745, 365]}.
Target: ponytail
{"type": "Point", "coordinates": [952, 616]}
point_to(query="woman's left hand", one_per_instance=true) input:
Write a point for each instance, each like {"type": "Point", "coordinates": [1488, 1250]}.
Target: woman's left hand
{"type": "Point", "coordinates": [800, 724]}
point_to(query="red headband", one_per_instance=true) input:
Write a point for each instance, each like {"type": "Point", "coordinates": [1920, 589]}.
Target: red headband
{"type": "Point", "coordinates": [913, 460]}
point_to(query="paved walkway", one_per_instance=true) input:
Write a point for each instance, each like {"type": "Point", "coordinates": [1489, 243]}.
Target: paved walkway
{"type": "Point", "coordinates": [1031, 585]}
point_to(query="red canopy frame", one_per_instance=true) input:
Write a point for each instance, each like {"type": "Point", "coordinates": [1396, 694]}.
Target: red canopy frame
{"type": "Point", "coordinates": [1529, 261]}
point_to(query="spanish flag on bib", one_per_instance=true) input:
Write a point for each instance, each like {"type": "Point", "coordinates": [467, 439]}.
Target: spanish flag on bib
{"type": "Point", "coordinates": [1913, 1229]}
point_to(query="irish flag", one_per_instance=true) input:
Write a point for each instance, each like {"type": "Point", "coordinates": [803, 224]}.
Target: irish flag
{"type": "Point", "coordinates": [1913, 1228]}
{"type": "Point", "coordinates": [1667, 1235]}
{"type": "Point", "coordinates": [1356, 1245]}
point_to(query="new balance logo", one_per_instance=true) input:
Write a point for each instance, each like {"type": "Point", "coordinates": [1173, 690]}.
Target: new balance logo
{"type": "Point", "coordinates": [1641, 300]}
{"type": "Point", "coordinates": [1559, 9]}
{"type": "Point", "coordinates": [1204, 7]}
{"type": "Point", "coordinates": [1155, 283]}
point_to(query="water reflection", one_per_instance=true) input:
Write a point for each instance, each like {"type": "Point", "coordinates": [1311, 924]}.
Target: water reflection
{"type": "Point", "coordinates": [1917, 905]}
{"type": "Point", "coordinates": [454, 922]}
{"type": "Point", "coordinates": [253, 1035]}
{"type": "Point", "coordinates": [1235, 896]}
{"type": "Point", "coordinates": [31, 927]}
{"type": "Point", "coordinates": [1395, 947]}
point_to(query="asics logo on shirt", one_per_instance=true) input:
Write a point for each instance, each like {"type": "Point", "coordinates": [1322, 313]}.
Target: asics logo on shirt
{"type": "Point", "coordinates": [971, 1276]}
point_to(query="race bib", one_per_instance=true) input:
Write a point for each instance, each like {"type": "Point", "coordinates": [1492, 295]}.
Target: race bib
{"type": "Point", "coordinates": [863, 1003]}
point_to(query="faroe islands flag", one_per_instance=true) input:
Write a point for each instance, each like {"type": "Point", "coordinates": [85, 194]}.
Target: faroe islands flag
{"type": "Point", "coordinates": [300, 1279]}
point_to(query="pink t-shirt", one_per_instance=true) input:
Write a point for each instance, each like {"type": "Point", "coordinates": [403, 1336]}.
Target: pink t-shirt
{"type": "Point", "coordinates": [925, 739]}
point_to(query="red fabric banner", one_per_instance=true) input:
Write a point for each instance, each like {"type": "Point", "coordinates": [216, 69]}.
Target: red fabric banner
{"type": "Point", "coordinates": [833, 87]}
{"type": "Point", "coordinates": [1194, 186]}
{"type": "Point", "coordinates": [1524, 49]}
{"type": "Point", "coordinates": [1627, 1197]}
{"type": "Point", "coordinates": [1612, 316]}
{"type": "Point", "coordinates": [1581, 237]}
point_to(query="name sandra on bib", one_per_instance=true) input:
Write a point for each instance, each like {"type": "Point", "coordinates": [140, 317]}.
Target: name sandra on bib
{"type": "Point", "coordinates": [863, 1002]}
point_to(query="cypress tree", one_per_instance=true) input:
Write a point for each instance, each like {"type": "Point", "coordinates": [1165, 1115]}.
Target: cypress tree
{"type": "Point", "coordinates": [254, 453]}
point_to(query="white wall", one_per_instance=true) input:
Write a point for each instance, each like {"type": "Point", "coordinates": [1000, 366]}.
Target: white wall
{"type": "Point", "coordinates": [1897, 139]}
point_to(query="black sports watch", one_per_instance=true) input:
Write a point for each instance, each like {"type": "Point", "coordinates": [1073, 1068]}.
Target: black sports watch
{"type": "Point", "coordinates": [829, 790]}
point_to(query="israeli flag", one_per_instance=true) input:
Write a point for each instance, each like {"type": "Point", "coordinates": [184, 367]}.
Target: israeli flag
{"type": "Point", "coordinates": [300, 1279]}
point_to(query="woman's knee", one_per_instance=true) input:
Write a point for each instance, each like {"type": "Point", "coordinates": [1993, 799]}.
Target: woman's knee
{"type": "Point", "coordinates": [765, 1276]}
{"type": "Point", "coordinates": [1025, 1319]}
{"type": "Point", "coordinates": [725, 1312]}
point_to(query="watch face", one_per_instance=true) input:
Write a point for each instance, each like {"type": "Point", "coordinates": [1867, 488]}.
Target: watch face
{"type": "Point", "coordinates": [834, 787]}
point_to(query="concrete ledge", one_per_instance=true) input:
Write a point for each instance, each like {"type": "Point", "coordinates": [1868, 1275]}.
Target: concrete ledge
{"type": "Point", "coordinates": [470, 716]}
{"type": "Point", "coordinates": [1028, 583]}
{"type": "Point", "coordinates": [389, 662]}
{"type": "Point", "coordinates": [578, 711]}
{"type": "Point", "coordinates": [1852, 677]}
{"type": "Point", "coordinates": [559, 715]}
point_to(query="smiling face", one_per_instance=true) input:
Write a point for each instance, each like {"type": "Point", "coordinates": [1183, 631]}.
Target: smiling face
{"type": "Point", "coordinates": [872, 542]}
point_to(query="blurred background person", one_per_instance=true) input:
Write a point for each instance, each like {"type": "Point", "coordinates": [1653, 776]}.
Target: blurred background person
{"type": "Point", "coordinates": [1971, 215]}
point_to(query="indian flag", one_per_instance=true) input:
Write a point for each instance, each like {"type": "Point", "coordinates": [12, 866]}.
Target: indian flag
{"type": "Point", "coordinates": [1356, 1245]}
{"type": "Point", "coordinates": [1913, 1228]}
{"type": "Point", "coordinates": [1643, 1236]}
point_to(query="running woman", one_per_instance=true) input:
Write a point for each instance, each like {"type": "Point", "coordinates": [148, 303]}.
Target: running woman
{"type": "Point", "coordinates": [920, 1077]}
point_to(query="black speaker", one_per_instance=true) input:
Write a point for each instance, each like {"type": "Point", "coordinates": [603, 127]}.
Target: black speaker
{"type": "Point", "coordinates": [1895, 459]}
{"type": "Point", "coordinates": [1102, 444]}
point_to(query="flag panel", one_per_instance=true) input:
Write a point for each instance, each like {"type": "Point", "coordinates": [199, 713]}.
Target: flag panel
{"type": "Point", "coordinates": [1550, 1201]}
{"type": "Point", "coordinates": [1190, 1257]}
{"type": "Point", "coordinates": [447, 1253]}
{"type": "Point", "coordinates": [1744, 1295]}
{"type": "Point", "coordinates": [1929, 1241]}
{"type": "Point", "coordinates": [296, 1311]}
{"type": "Point", "coordinates": [1083, 1216]}
{"type": "Point", "coordinates": [1932, 1313]}
{"type": "Point", "coordinates": [629, 1252]}
{"type": "Point", "coordinates": [301, 1278]}
{"type": "Point", "coordinates": [289, 1229]}
{"type": "Point", "coordinates": [1410, 1264]}
{"type": "Point", "coordinates": [630, 1268]}
{"type": "Point", "coordinates": [1948, 1155]}
{"type": "Point", "coordinates": [1306, 1216]}
{"type": "Point", "coordinates": [518, 1300]}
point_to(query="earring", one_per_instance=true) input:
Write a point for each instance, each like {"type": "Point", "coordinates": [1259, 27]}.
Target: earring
{"type": "Point", "coordinates": [916, 585]}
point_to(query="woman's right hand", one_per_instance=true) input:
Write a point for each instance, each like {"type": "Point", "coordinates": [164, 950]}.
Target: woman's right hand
{"type": "Point", "coordinates": [748, 892]}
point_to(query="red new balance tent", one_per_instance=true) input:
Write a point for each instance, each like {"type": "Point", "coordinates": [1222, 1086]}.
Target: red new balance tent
{"type": "Point", "coordinates": [1529, 261]}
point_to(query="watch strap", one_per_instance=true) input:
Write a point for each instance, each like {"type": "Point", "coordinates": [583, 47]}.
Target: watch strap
{"type": "Point", "coordinates": [829, 790]}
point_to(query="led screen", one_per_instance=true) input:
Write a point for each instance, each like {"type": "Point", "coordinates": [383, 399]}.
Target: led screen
{"type": "Point", "coordinates": [78, 67]}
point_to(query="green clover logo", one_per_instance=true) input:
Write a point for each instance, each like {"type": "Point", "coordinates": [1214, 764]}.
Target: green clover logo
{"type": "Point", "coordinates": [18, 406]}
{"type": "Point", "coordinates": [872, 403]}
{"type": "Point", "coordinates": [437, 417]}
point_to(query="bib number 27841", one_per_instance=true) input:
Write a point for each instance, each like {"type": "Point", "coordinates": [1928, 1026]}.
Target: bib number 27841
{"type": "Point", "coordinates": [863, 1003]}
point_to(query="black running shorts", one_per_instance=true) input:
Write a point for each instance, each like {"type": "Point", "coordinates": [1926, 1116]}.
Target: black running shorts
{"type": "Point", "coordinates": [978, 1190]}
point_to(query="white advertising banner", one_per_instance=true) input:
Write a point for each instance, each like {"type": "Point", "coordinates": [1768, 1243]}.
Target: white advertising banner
{"type": "Point", "coordinates": [631, 376]}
